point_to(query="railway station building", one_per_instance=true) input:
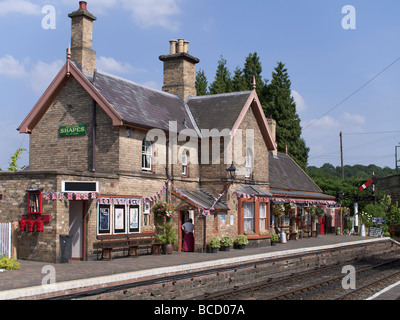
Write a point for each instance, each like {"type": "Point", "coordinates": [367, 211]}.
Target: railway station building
{"type": "Point", "coordinates": [104, 150]}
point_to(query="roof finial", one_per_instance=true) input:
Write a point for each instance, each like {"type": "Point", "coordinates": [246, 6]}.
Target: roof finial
{"type": "Point", "coordinates": [68, 59]}
{"type": "Point", "coordinates": [254, 83]}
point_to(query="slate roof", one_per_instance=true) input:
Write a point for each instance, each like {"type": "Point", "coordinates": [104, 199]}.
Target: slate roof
{"type": "Point", "coordinates": [203, 199]}
{"type": "Point", "coordinates": [254, 190]}
{"type": "Point", "coordinates": [142, 106]}
{"type": "Point", "coordinates": [285, 174]}
{"type": "Point", "coordinates": [218, 111]}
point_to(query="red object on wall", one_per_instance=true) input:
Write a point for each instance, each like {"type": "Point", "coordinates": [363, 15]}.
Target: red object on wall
{"type": "Point", "coordinates": [46, 218]}
{"type": "Point", "coordinates": [22, 225]}
{"type": "Point", "coordinates": [39, 225]}
{"type": "Point", "coordinates": [31, 225]}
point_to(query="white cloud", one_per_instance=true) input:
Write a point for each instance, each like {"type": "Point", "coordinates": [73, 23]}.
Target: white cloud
{"type": "Point", "coordinates": [113, 66]}
{"type": "Point", "coordinates": [19, 7]}
{"type": "Point", "coordinates": [354, 118]}
{"type": "Point", "coordinates": [41, 75]}
{"type": "Point", "coordinates": [37, 76]}
{"type": "Point", "coordinates": [300, 103]}
{"type": "Point", "coordinates": [11, 67]}
{"type": "Point", "coordinates": [149, 13]}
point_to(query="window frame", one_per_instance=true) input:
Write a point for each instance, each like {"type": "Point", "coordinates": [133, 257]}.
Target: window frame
{"type": "Point", "coordinates": [147, 155]}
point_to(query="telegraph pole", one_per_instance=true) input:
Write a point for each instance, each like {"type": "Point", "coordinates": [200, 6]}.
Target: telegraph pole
{"type": "Point", "coordinates": [341, 153]}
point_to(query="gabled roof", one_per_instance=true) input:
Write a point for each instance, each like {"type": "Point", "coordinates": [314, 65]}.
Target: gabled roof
{"type": "Point", "coordinates": [125, 102]}
{"type": "Point", "coordinates": [285, 174]}
{"type": "Point", "coordinates": [227, 111]}
{"type": "Point", "coordinates": [200, 198]}
{"type": "Point", "coordinates": [141, 106]}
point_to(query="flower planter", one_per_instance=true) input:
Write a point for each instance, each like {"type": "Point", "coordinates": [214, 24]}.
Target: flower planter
{"type": "Point", "coordinates": [39, 225]}
{"type": "Point", "coordinates": [273, 243]}
{"type": "Point", "coordinates": [225, 248]}
{"type": "Point", "coordinates": [240, 246]}
{"type": "Point", "coordinates": [212, 250]}
{"type": "Point", "coordinates": [31, 225]}
{"type": "Point", "coordinates": [167, 248]}
{"type": "Point", "coordinates": [22, 225]}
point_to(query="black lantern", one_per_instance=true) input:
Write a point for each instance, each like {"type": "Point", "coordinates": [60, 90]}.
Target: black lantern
{"type": "Point", "coordinates": [340, 195]}
{"type": "Point", "coordinates": [231, 172]}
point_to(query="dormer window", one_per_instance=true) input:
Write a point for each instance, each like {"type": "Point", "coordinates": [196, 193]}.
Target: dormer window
{"type": "Point", "coordinates": [248, 170]}
{"type": "Point", "coordinates": [146, 154]}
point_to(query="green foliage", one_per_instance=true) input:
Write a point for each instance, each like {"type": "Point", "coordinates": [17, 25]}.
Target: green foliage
{"type": "Point", "coordinates": [226, 241]}
{"type": "Point", "coordinates": [214, 243]}
{"type": "Point", "coordinates": [166, 233]}
{"type": "Point", "coordinates": [201, 83]}
{"type": "Point", "coordinates": [9, 264]}
{"type": "Point", "coordinates": [13, 166]}
{"type": "Point", "coordinates": [274, 237]}
{"type": "Point", "coordinates": [222, 81]}
{"type": "Point", "coordinates": [241, 240]}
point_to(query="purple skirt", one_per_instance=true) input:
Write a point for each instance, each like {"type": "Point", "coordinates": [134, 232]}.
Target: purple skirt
{"type": "Point", "coordinates": [188, 242]}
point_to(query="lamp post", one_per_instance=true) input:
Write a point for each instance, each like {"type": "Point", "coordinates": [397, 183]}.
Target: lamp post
{"type": "Point", "coordinates": [231, 172]}
{"type": "Point", "coordinates": [340, 196]}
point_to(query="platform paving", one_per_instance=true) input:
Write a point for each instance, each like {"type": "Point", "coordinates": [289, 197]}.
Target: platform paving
{"type": "Point", "coordinates": [85, 273]}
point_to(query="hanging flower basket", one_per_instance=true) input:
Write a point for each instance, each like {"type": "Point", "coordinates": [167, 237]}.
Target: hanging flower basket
{"type": "Point", "coordinates": [163, 211]}
{"type": "Point", "coordinates": [290, 209]}
{"type": "Point", "coordinates": [278, 210]}
{"type": "Point", "coordinates": [311, 209]}
{"type": "Point", "coordinates": [319, 211]}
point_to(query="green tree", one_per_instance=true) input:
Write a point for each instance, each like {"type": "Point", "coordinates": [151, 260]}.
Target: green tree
{"type": "Point", "coordinates": [222, 81]}
{"type": "Point", "coordinates": [201, 83]}
{"type": "Point", "coordinates": [13, 166]}
{"type": "Point", "coordinates": [280, 104]}
{"type": "Point", "coordinates": [238, 81]}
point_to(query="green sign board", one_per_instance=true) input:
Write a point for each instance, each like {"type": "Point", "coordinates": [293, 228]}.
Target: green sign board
{"type": "Point", "coordinates": [76, 130]}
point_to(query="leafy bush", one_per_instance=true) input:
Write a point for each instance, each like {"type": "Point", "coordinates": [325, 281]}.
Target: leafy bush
{"type": "Point", "coordinates": [9, 264]}
{"type": "Point", "coordinates": [226, 241]}
{"type": "Point", "coordinates": [241, 240]}
{"type": "Point", "coordinates": [274, 237]}
{"type": "Point", "coordinates": [214, 243]}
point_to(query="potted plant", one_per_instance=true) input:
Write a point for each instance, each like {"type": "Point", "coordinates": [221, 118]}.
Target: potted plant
{"type": "Point", "coordinates": [226, 243]}
{"type": "Point", "coordinates": [167, 236]}
{"type": "Point", "coordinates": [241, 241]}
{"type": "Point", "coordinates": [290, 209]}
{"type": "Point", "coordinates": [338, 231]}
{"type": "Point", "coordinates": [163, 211]}
{"type": "Point", "coordinates": [274, 239]}
{"type": "Point", "coordinates": [278, 210]}
{"type": "Point", "coordinates": [301, 234]}
{"type": "Point", "coordinates": [213, 245]}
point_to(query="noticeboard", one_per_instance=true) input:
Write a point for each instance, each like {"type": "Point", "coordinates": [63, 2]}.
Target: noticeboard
{"type": "Point", "coordinates": [378, 220]}
{"type": "Point", "coordinates": [376, 232]}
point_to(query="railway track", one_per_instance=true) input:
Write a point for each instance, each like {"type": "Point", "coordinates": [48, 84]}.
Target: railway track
{"type": "Point", "coordinates": [309, 286]}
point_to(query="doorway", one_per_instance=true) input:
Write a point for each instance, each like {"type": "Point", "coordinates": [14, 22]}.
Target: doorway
{"type": "Point", "coordinates": [184, 216]}
{"type": "Point", "coordinates": [76, 228]}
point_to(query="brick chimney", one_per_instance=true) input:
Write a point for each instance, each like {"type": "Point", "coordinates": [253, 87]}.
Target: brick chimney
{"type": "Point", "coordinates": [179, 70]}
{"type": "Point", "coordinates": [82, 37]}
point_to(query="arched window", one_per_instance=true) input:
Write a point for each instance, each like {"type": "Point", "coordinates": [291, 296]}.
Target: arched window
{"type": "Point", "coordinates": [185, 156]}
{"type": "Point", "coordinates": [146, 154]}
{"type": "Point", "coordinates": [249, 164]}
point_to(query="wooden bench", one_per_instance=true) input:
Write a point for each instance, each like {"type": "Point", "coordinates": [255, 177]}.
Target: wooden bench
{"type": "Point", "coordinates": [131, 242]}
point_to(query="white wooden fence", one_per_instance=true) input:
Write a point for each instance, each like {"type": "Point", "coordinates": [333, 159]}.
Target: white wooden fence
{"type": "Point", "coordinates": [5, 239]}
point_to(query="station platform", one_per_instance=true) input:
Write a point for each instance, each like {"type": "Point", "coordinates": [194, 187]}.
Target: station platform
{"type": "Point", "coordinates": [38, 278]}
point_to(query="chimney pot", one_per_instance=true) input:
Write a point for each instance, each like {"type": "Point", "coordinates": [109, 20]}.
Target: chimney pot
{"type": "Point", "coordinates": [83, 5]}
{"type": "Point", "coordinates": [172, 49]}
{"type": "Point", "coordinates": [180, 45]}
{"type": "Point", "coordinates": [186, 46]}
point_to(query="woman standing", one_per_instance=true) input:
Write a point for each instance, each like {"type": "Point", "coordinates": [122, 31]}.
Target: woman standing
{"type": "Point", "coordinates": [188, 239]}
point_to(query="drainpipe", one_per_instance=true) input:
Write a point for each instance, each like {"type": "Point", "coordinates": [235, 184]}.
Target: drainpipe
{"type": "Point", "coordinates": [94, 124]}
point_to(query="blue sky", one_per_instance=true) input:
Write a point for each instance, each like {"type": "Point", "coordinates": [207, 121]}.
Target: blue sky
{"type": "Point", "coordinates": [326, 63]}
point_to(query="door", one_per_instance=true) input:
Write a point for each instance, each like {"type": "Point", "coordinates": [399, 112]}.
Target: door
{"type": "Point", "coordinates": [184, 216]}
{"type": "Point", "coordinates": [76, 228]}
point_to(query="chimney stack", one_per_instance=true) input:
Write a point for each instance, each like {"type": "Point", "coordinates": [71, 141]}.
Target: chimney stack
{"type": "Point", "coordinates": [179, 70]}
{"type": "Point", "coordinates": [82, 38]}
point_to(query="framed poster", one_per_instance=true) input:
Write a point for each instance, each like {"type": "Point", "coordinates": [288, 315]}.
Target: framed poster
{"type": "Point", "coordinates": [223, 222]}
{"type": "Point", "coordinates": [104, 219]}
{"type": "Point", "coordinates": [133, 218]}
{"type": "Point", "coordinates": [119, 219]}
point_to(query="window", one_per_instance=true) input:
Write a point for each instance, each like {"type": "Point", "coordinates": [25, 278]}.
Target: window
{"type": "Point", "coordinates": [248, 164]}
{"type": "Point", "coordinates": [146, 154]}
{"type": "Point", "coordinates": [263, 216]}
{"type": "Point", "coordinates": [185, 155]}
{"type": "Point", "coordinates": [248, 216]}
